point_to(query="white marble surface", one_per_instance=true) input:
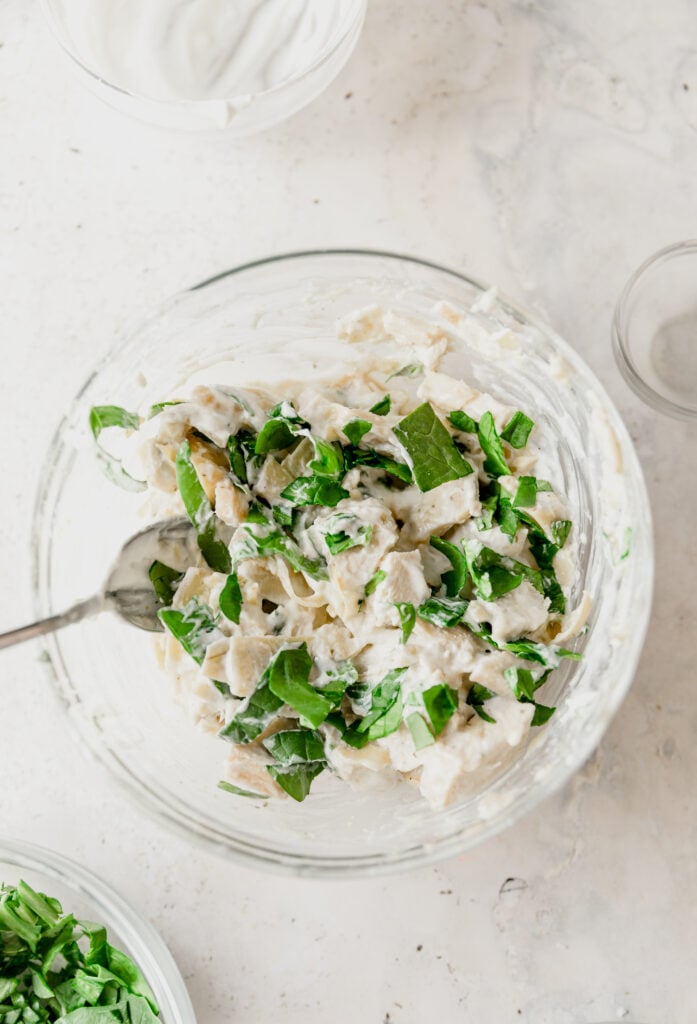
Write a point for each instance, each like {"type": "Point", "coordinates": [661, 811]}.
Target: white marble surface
{"type": "Point", "coordinates": [544, 144]}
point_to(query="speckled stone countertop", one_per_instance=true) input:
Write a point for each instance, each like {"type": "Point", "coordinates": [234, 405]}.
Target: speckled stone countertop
{"type": "Point", "coordinates": [547, 146]}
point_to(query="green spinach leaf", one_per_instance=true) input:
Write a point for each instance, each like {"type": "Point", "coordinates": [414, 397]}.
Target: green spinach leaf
{"type": "Point", "coordinates": [440, 702]}
{"type": "Point", "coordinates": [407, 618]}
{"type": "Point", "coordinates": [231, 599]}
{"type": "Point", "coordinates": [495, 463]}
{"type": "Point", "coordinates": [477, 697]}
{"type": "Point", "coordinates": [454, 579]}
{"type": "Point", "coordinates": [289, 675]}
{"type": "Point", "coordinates": [420, 732]}
{"type": "Point", "coordinates": [199, 511]}
{"type": "Point", "coordinates": [382, 407]}
{"type": "Point", "coordinates": [193, 626]}
{"type": "Point", "coordinates": [442, 611]}
{"type": "Point", "coordinates": [164, 581]}
{"type": "Point", "coordinates": [517, 430]}
{"type": "Point", "coordinates": [435, 458]}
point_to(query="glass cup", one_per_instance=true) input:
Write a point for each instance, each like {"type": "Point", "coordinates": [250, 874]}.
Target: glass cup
{"type": "Point", "coordinates": [654, 331]}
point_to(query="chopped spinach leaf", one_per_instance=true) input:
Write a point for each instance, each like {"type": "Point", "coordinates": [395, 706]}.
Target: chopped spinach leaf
{"type": "Point", "coordinates": [454, 579]}
{"type": "Point", "coordinates": [199, 511]}
{"type": "Point", "coordinates": [296, 779]}
{"type": "Point", "coordinates": [542, 714]}
{"type": "Point", "coordinates": [340, 677]}
{"type": "Point", "coordinates": [442, 611]}
{"type": "Point", "coordinates": [508, 517]}
{"type": "Point", "coordinates": [355, 430]}
{"type": "Point", "coordinates": [101, 417]}
{"type": "Point", "coordinates": [420, 732]}
{"type": "Point", "coordinates": [238, 464]}
{"type": "Point", "coordinates": [461, 421]}
{"type": "Point", "coordinates": [477, 698]}
{"type": "Point", "coordinates": [349, 733]}
{"type": "Point", "coordinates": [369, 457]}
{"type": "Point", "coordinates": [560, 529]}
{"type": "Point", "coordinates": [164, 581]}
{"type": "Point", "coordinates": [228, 787]}
{"type": "Point", "coordinates": [494, 575]}
{"type": "Point", "coordinates": [289, 675]}
{"type": "Point", "coordinates": [375, 582]}
{"type": "Point", "coordinates": [517, 430]}
{"type": "Point", "coordinates": [382, 407]}
{"type": "Point", "coordinates": [231, 599]}
{"type": "Point", "coordinates": [192, 626]}
{"type": "Point", "coordinates": [407, 618]}
{"type": "Point", "coordinates": [277, 543]}
{"type": "Point", "coordinates": [314, 490]}
{"type": "Point", "coordinates": [295, 746]}
{"type": "Point", "coordinates": [157, 408]}
{"type": "Point", "coordinates": [528, 489]}
{"type": "Point", "coordinates": [526, 492]}
{"type": "Point", "coordinates": [342, 541]}
{"type": "Point", "coordinates": [282, 515]}
{"type": "Point", "coordinates": [386, 707]}
{"type": "Point", "coordinates": [440, 702]}
{"type": "Point", "coordinates": [258, 712]}
{"type": "Point", "coordinates": [410, 370]}
{"type": "Point", "coordinates": [544, 654]}
{"type": "Point", "coordinates": [328, 460]}
{"type": "Point", "coordinates": [257, 513]}
{"type": "Point", "coordinates": [521, 682]}
{"type": "Point", "coordinates": [277, 434]}
{"type": "Point", "coordinates": [524, 684]}
{"type": "Point", "coordinates": [495, 463]}
{"type": "Point", "coordinates": [435, 459]}
{"type": "Point", "coordinates": [489, 507]}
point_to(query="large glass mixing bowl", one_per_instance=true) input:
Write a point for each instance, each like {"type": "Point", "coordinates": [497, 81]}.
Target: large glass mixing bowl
{"type": "Point", "coordinates": [271, 320]}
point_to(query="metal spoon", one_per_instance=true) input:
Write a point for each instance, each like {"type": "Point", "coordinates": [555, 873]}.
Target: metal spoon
{"type": "Point", "coordinates": [128, 590]}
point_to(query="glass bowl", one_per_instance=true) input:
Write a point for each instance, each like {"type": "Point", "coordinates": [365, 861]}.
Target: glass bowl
{"type": "Point", "coordinates": [654, 331]}
{"type": "Point", "coordinates": [271, 320]}
{"type": "Point", "coordinates": [242, 66]}
{"type": "Point", "coordinates": [83, 894]}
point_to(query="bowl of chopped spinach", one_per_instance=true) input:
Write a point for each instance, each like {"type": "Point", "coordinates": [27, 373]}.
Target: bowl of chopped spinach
{"type": "Point", "coordinates": [73, 952]}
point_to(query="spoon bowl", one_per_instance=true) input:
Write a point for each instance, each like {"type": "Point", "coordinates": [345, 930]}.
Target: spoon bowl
{"type": "Point", "coordinates": [128, 590]}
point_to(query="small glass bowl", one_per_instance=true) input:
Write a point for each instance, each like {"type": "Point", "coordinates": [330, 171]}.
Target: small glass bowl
{"type": "Point", "coordinates": [272, 320]}
{"type": "Point", "coordinates": [654, 331]}
{"type": "Point", "coordinates": [83, 894]}
{"type": "Point", "coordinates": [254, 64]}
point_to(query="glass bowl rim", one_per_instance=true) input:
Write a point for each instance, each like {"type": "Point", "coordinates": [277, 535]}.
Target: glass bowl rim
{"type": "Point", "coordinates": [621, 329]}
{"type": "Point", "coordinates": [144, 943]}
{"type": "Point", "coordinates": [256, 854]}
{"type": "Point", "coordinates": [352, 19]}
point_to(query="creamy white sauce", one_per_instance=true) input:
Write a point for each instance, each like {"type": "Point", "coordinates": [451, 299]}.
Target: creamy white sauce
{"type": "Point", "coordinates": [213, 50]}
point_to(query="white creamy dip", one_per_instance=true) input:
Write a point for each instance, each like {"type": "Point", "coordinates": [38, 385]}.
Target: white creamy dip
{"type": "Point", "coordinates": [200, 49]}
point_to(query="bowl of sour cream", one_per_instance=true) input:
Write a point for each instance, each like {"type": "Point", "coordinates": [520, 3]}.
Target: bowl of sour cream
{"type": "Point", "coordinates": [238, 65]}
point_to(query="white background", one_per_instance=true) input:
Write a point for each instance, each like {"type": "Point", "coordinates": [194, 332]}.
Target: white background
{"type": "Point", "coordinates": [547, 145]}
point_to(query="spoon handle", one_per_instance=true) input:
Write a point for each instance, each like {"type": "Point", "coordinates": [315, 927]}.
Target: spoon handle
{"type": "Point", "coordinates": [78, 611]}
